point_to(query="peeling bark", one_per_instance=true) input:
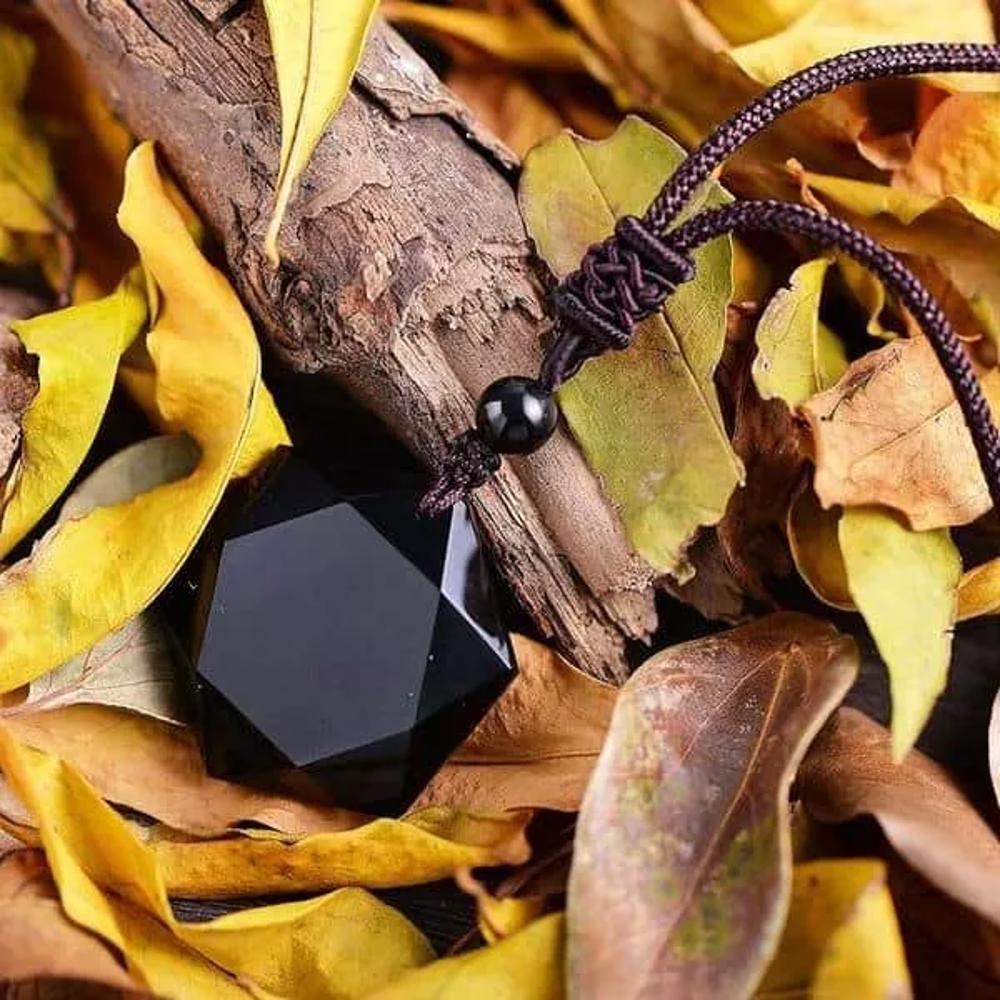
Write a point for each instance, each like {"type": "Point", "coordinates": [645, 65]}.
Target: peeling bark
{"type": "Point", "coordinates": [406, 274]}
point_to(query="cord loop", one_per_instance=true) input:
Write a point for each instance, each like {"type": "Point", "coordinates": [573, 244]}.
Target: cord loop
{"type": "Point", "coordinates": [629, 276]}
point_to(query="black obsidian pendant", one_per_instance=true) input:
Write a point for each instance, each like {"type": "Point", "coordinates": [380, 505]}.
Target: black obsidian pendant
{"type": "Point", "coordinates": [345, 639]}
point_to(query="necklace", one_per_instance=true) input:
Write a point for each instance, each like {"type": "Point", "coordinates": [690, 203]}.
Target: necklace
{"type": "Point", "coordinates": [376, 645]}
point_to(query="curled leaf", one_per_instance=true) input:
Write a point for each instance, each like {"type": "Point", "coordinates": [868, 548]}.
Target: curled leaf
{"type": "Point", "coordinates": [891, 433]}
{"type": "Point", "coordinates": [28, 193]}
{"type": "Point", "coordinates": [426, 846]}
{"type": "Point", "coordinates": [132, 668]}
{"type": "Point", "coordinates": [316, 48]}
{"type": "Point", "coordinates": [530, 40]}
{"type": "Point", "coordinates": [536, 746]}
{"type": "Point", "coordinates": [18, 387]}
{"type": "Point", "coordinates": [829, 27]}
{"type": "Point", "coordinates": [850, 772]}
{"type": "Point", "coordinates": [526, 966]}
{"type": "Point", "coordinates": [797, 355]}
{"type": "Point", "coordinates": [648, 419]}
{"type": "Point", "coordinates": [959, 234]}
{"type": "Point", "coordinates": [207, 365]}
{"type": "Point", "coordinates": [838, 910]}
{"type": "Point", "coordinates": [37, 941]}
{"type": "Point", "coordinates": [343, 944]}
{"type": "Point", "coordinates": [905, 584]}
{"type": "Point", "coordinates": [158, 769]}
{"type": "Point", "coordinates": [979, 591]}
{"type": "Point", "coordinates": [78, 351]}
{"type": "Point", "coordinates": [694, 859]}
{"type": "Point", "coordinates": [815, 544]}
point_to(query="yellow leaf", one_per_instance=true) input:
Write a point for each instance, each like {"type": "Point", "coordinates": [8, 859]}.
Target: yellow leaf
{"type": "Point", "coordinates": [904, 583]}
{"type": "Point", "coordinates": [527, 40]}
{"type": "Point", "coordinates": [17, 56]}
{"type": "Point", "coordinates": [979, 591]}
{"type": "Point", "coordinates": [207, 364]}
{"type": "Point", "coordinates": [345, 944]}
{"type": "Point", "coordinates": [830, 27]}
{"type": "Point", "coordinates": [841, 938]}
{"type": "Point", "coordinates": [647, 419]}
{"type": "Point", "coordinates": [797, 355]}
{"type": "Point", "coordinates": [500, 916]}
{"type": "Point", "coordinates": [27, 179]}
{"type": "Point", "coordinates": [956, 150]}
{"type": "Point", "coordinates": [526, 966]}
{"type": "Point", "coordinates": [960, 234]}
{"type": "Point", "coordinates": [427, 845]}
{"type": "Point", "coordinates": [78, 351]}
{"type": "Point", "coordinates": [316, 46]}
{"type": "Point", "coordinates": [815, 547]}
{"type": "Point", "coordinates": [741, 22]}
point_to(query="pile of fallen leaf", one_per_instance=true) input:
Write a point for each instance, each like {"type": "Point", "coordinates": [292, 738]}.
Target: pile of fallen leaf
{"type": "Point", "coordinates": [779, 438]}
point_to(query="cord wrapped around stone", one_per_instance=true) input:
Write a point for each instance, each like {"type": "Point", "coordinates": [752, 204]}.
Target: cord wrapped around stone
{"type": "Point", "coordinates": [629, 276]}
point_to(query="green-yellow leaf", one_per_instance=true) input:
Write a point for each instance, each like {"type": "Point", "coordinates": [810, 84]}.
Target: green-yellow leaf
{"type": "Point", "coordinates": [797, 354]}
{"type": "Point", "coordinates": [89, 576]}
{"type": "Point", "coordinates": [526, 966]}
{"type": "Point", "coordinates": [841, 938]}
{"type": "Point", "coordinates": [905, 584]}
{"type": "Point", "coordinates": [78, 350]}
{"type": "Point", "coordinates": [647, 419]}
{"type": "Point", "coordinates": [317, 46]}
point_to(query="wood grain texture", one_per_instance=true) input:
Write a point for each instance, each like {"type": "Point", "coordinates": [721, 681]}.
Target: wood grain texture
{"type": "Point", "coordinates": [406, 273]}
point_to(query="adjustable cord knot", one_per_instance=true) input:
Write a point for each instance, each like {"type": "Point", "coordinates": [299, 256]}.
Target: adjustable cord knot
{"type": "Point", "coordinates": [621, 281]}
{"type": "Point", "coordinates": [468, 463]}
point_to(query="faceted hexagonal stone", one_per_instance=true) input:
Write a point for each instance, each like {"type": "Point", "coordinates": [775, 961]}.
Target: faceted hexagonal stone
{"type": "Point", "coordinates": [346, 638]}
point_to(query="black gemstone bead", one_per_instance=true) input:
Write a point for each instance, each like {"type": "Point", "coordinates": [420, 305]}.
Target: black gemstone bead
{"type": "Point", "coordinates": [345, 638]}
{"type": "Point", "coordinates": [516, 415]}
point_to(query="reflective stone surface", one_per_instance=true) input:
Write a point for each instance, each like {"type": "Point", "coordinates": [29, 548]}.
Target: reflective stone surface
{"type": "Point", "coordinates": [345, 638]}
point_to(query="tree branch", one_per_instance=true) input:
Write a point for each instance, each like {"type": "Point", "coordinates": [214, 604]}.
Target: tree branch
{"type": "Point", "coordinates": [406, 273]}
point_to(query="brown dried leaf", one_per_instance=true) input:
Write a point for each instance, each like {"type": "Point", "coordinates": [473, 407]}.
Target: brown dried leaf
{"type": "Point", "coordinates": [157, 768]}
{"type": "Point", "coordinates": [38, 941]}
{"type": "Point", "coordinates": [18, 379]}
{"type": "Point", "coordinates": [951, 950]}
{"type": "Point", "coordinates": [537, 745]}
{"type": "Point", "coordinates": [771, 443]}
{"type": "Point", "coordinates": [683, 837]}
{"type": "Point", "coordinates": [849, 772]}
{"type": "Point", "coordinates": [507, 105]}
{"type": "Point", "coordinates": [891, 433]}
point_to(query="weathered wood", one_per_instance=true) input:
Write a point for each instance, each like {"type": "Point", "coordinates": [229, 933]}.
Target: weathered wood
{"type": "Point", "coordinates": [406, 273]}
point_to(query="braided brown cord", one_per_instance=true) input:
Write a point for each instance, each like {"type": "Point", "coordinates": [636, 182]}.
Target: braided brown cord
{"type": "Point", "coordinates": [782, 217]}
{"type": "Point", "coordinates": [629, 276]}
{"type": "Point", "coordinates": [875, 63]}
